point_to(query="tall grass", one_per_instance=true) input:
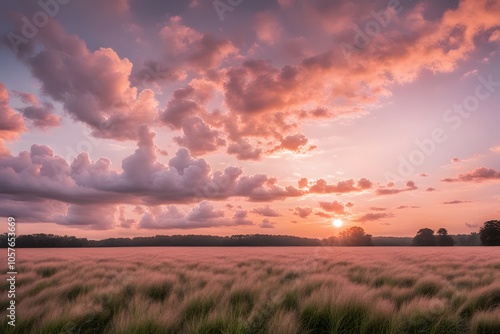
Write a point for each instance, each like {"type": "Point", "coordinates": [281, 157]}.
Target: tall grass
{"type": "Point", "coordinates": [256, 290]}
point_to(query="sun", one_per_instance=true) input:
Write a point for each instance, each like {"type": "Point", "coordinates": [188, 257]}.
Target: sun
{"type": "Point", "coordinates": [337, 222]}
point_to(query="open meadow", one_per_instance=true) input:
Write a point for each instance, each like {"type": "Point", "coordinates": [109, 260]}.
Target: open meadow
{"type": "Point", "coordinates": [257, 290]}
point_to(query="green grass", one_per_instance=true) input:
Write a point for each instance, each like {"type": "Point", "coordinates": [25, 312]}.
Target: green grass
{"type": "Point", "coordinates": [46, 271]}
{"type": "Point", "coordinates": [159, 291]}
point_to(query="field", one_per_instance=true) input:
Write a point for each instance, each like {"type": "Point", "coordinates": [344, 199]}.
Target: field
{"type": "Point", "coordinates": [257, 290]}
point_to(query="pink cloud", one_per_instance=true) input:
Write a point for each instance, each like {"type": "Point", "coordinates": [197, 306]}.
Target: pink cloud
{"type": "Point", "coordinates": [41, 114]}
{"type": "Point", "coordinates": [68, 73]}
{"type": "Point", "coordinates": [334, 206]}
{"type": "Point", "coordinates": [410, 185]}
{"type": "Point", "coordinates": [11, 123]}
{"type": "Point", "coordinates": [266, 211]}
{"type": "Point", "coordinates": [303, 183]}
{"type": "Point", "coordinates": [185, 50]}
{"type": "Point", "coordinates": [202, 216]}
{"type": "Point", "coordinates": [267, 224]}
{"type": "Point", "coordinates": [302, 212]}
{"type": "Point", "coordinates": [95, 217]}
{"type": "Point", "coordinates": [374, 208]}
{"type": "Point", "coordinates": [477, 175]}
{"type": "Point", "coordinates": [320, 186]}
{"type": "Point", "coordinates": [267, 27]}
{"type": "Point", "coordinates": [294, 143]}
{"type": "Point", "coordinates": [40, 175]}
{"type": "Point", "coordinates": [199, 137]}
{"type": "Point", "coordinates": [456, 202]}
{"type": "Point", "coordinates": [244, 150]}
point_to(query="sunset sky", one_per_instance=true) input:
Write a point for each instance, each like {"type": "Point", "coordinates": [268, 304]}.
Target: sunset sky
{"type": "Point", "coordinates": [128, 117]}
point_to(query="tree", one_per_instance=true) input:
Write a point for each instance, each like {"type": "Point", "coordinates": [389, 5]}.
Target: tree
{"type": "Point", "coordinates": [490, 233]}
{"type": "Point", "coordinates": [355, 236]}
{"type": "Point", "coordinates": [443, 239]}
{"type": "Point", "coordinates": [425, 237]}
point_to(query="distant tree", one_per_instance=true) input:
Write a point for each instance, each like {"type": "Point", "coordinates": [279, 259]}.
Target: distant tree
{"type": "Point", "coordinates": [443, 239]}
{"type": "Point", "coordinates": [490, 233]}
{"type": "Point", "coordinates": [355, 236]}
{"type": "Point", "coordinates": [425, 237]}
{"type": "Point", "coordinates": [330, 241]}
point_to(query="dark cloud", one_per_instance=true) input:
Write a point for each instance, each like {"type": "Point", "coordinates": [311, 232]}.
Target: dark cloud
{"type": "Point", "coordinates": [410, 185]}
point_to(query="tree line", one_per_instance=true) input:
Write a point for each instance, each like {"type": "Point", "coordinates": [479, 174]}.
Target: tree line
{"type": "Point", "coordinates": [489, 235]}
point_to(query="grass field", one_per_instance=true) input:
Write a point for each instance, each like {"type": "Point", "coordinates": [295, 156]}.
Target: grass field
{"type": "Point", "coordinates": [257, 290]}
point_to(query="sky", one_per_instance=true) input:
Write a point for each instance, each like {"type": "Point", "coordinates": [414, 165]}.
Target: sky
{"type": "Point", "coordinates": [127, 118]}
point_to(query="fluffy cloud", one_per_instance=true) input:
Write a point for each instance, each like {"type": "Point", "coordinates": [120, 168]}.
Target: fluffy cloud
{"type": "Point", "coordinates": [32, 211]}
{"type": "Point", "coordinates": [11, 123]}
{"type": "Point", "coordinates": [294, 143]}
{"type": "Point", "coordinates": [323, 214]}
{"type": "Point", "coordinates": [40, 114]}
{"type": "Point", "coordinates": [476, 175]}
{"type": "Point", "coordinates": [93, 87]}
{"type": "Point", "coordinates": [240, 216]}
{"type": "Point", "coordinates": [198, 137]}
{"type": "Point", "coordinates": [374, 208]}
{"type": "Point", "coordinates": [203, 216]}
{"type": "Point", "coordinates": [303, 212]}
{"type": "Point", "coordinates": [266, 211]}
{"type": "Point", "coordinates": [320, 186]}
{"type": "Point", "coordinates": [40, 175]}
{"type": "Point", "coordinates": [185, 49]}
{"type": "Point", "coordinates": [95, 217]}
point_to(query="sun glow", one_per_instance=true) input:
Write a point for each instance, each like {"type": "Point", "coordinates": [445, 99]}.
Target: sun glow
{"type": "Point", "coordinates": [337, 222]}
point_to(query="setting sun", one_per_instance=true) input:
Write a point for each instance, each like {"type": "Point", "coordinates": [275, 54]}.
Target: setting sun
{"type": "Point", "coordinates": [337, 222]}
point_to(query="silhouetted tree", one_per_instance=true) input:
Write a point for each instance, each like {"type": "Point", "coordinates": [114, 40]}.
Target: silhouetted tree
{"type": "Point", "coordinates": [355, 236]}
{"type": "Point", "coordinates": [425, 237]}
{"type": "Point", "coordinates": [490, 233]}
{"type": "Point", "coordinates": [443, 239]}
